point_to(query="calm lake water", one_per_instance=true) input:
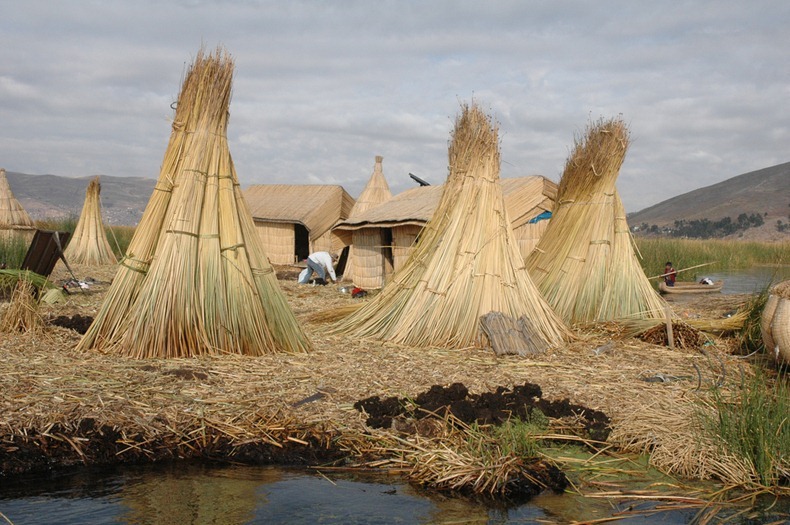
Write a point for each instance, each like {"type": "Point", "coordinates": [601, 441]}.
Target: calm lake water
{"type": "Point", "coordinates": [745, 281]}
{"type": "Point", "coordinates": [194, 494]}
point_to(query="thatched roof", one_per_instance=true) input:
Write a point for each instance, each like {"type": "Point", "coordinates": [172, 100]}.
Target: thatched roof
{"type": "Point", "coordinates": [88, 244]}
{"type": "Point", "coordinates": [195, 279]}
{"type": "Point", "coordinates": [318, 207]}
{"type": "Point", "coordinates": [466, 264]}
{"type": "Point", "coordinates": [376, 191]}
{"type": "Point", "coordinates": [585, 263]}
{"type": "Point", "coordinates": [525, 197]}
{"type": "Point", "coordinates": [12, 215]}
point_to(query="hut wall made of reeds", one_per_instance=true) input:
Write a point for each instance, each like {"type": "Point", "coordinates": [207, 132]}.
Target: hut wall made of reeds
{"type": "Point", "coordinates": [364, 267]}
{"type": "Point", "coordinates": [295, 220]}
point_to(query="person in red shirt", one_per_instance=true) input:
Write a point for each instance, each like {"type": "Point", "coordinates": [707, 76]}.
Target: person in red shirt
{"type": "Point", "coordinates": [669, 274]}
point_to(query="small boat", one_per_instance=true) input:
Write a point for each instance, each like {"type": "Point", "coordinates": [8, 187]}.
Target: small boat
{"type": "Point", "coordinates": [689, 287]}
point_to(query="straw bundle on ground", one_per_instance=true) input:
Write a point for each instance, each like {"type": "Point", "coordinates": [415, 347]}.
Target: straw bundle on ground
{"type": "Point", "coordinates": [195, 280]}
{"type": "Point", "coordinates": [466, 263]}
{"type": "Point", "coordinates": [363, 254]}
{"type": "Point", "coordinates": [88, 244]}
{"type": "Point", "coordinates": [22, 312]}
{"type": "Point", "coordinates": [14, 220]}
{"type": "Point", "coordinates": [585, 264]}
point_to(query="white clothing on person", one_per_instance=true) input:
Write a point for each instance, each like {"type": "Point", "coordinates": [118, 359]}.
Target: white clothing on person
{"type": "Point", "coordinates": [321, 263]}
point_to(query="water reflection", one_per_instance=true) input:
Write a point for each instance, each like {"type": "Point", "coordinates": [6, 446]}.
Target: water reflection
{"type": "Point", "coordinates": [193, 494]}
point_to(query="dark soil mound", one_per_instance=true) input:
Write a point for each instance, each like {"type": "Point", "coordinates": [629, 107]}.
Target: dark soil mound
{"type": "Point", "coordinates": [486, 408]}
{"type": "Point", "coordinates": [78, 323]}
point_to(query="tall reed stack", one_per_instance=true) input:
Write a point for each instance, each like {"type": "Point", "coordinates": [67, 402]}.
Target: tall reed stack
{"type": "Point", "coordinates": [88, 244]}
{"type": "Point", "coordinates": [195, 279]}
{"type": "Point", "coordinates": [585, 264]}
{"type": "Point", "coordinates": [14, 220]}
{"type": "Point", "coordinates": [465, 264]}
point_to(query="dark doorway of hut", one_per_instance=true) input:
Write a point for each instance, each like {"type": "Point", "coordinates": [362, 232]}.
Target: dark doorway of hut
{"type": "Point", "coordinates": [341, 261]}
{"type": "Point", "coordinates": [386, 252]}
{"type": "Point", "coordinates": [301, 242]}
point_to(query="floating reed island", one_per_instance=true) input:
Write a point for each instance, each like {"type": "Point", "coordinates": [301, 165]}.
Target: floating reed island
{"type": "Point", "coordinates": [195, 348]}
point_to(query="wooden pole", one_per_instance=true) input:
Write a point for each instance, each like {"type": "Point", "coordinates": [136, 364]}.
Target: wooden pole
{"type": "Point", "coordinates": [683, 270]}
{"type": "Point", "coordinates": [670, 335]}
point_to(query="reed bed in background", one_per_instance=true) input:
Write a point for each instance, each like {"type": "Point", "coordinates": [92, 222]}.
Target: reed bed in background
{"type": "Point", "coordinates": [466, 264]}
{"type": "Point", "coordinates": [195, 280]}
{"type": "Point", "coordinates": [13, 250]}
{"type": "Point", "coordinates": [88, 244]}
{"type": "Point", "coordinates": [728, 255]}
{"type": "Point", "coordinates": [585, 263]}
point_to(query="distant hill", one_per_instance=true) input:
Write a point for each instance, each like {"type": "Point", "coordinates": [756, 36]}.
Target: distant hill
{"type": "Point", "coordinates": [123, 199]}
{"type": "Point", "coordinates": [765, 192]}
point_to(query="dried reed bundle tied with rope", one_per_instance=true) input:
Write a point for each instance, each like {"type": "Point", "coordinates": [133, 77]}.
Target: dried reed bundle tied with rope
{"type": "Point", "coordinates": [195, 279]}
{"type": "Point", "coordinates": [585, 264]}
{"type": "Point", "coordinates": [775, 322]}
{"type": "Point", "coordinates": [22, 312]}
{"type": "Point", "coordinates": [13, 216]}
{"type": "Point", "coordinates": [88, 244]}
{"type": "Point", "coordinates": [466, 264]}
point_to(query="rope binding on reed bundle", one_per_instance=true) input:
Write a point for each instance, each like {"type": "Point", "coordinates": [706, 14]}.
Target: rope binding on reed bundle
{"type": "Point", "coordinates": [195, 279]}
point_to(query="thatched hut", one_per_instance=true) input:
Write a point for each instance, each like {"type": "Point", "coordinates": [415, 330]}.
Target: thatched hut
{"type": "Point", "coordinates": [293, 221]}
{"type": "Point", "coordinates": [366, 245]}
{"type": "Point", "coordinates": [88, 244]}
{"type": "Point", "coordinates": [466, 264]}
{"type": "Point", "coordinates": [388, 231]}
{"type": "Point", "coordinates": [585, 264]}
{"type": "Point", "coordinates": [195, 279]}
{"type": "Point", "coordinates": [15, 223]}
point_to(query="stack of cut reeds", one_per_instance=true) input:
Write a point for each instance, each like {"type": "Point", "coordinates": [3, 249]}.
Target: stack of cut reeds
{"type": "Point", "coordinates": [22, 312]}
{"type": "Point", "coordinates": [586, 264]}
{"type": "Point", "coordinates": [466, 263]}
{"type": "Point", "coordinates": [88, 244]}
{"type": "Point", "coordinates": [12, 214]}
{"type": "Point", "coordinates": [195, 279]}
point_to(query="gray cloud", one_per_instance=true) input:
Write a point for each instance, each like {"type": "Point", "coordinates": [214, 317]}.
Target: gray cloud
{"type": "Point", "coordinates": [322, 87]}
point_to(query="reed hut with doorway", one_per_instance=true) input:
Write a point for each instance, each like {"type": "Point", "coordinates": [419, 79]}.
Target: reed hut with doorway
{"type": "Point", "coordinates": [466, 264]}
{"type": "Point", "coordinates": [586, 264]}
{"type": "Point", "coordinates": [88, 244]}
{"type": "Point", "coordinates": [293, 221]}
{"type": "Point", "coordinates": [195, 279]}
{"type": "Point", "coordinates": [15, 223]}
{"type": "Point", "coordinates": [394, 226]}
{"type": "Point", "coordinates": [366, 245]}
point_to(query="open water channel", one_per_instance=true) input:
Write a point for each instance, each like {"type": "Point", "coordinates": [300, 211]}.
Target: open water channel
{"type": "Point", "coordinates": [198, 494]}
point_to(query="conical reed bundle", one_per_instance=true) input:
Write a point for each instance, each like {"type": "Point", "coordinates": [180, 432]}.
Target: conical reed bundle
{"type": "Point", "coordinates": [466, 263]}
{"type": "Point", "coordinates": [88, 244]}
{"type": "Point", "coordinates": [195, 280]}
{"type": "Point", "coordinates": [585, 263]}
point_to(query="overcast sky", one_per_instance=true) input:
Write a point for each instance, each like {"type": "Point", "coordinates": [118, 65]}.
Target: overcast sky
{"type": "Point", "coordinates": [320, 88]}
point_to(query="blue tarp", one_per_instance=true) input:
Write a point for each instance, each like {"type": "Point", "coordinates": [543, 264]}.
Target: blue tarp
{"type": "Point", "coordinates": [542, 216]}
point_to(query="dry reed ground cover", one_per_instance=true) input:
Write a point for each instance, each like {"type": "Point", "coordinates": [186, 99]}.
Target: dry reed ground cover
{"type": "Point", "coordinates": [62, 407]}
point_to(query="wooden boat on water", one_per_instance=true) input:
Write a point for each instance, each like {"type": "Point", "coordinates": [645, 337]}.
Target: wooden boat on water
{"type": "Point", "coordinates": [691, 287]}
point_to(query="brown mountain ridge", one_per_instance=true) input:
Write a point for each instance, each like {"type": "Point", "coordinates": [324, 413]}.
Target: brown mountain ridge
{"type": "Point", "coordinates": [765, 192]}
